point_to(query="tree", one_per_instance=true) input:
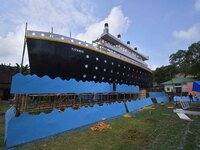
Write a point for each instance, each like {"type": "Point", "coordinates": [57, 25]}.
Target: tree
{"type": "Point", "coordinates": [24, 69]}
{"type": "Point", "coordinates": [164, 73]}
{"type": "Point", "coordinates": [180, 61]}
{"type": "Point", "coordinates": [15, 69]}
{"type": "Point", "coordinates": [193, 57]}
{"type": "Point", "coordinates": [183, 61]}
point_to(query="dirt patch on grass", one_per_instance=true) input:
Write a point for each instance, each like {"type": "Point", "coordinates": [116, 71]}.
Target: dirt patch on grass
{"type": "Point", "coordinates": [135, 136]}
{"type": "Point", "coordinates": [151, 120]}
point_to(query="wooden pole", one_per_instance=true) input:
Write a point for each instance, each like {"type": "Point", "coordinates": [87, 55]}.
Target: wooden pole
{"type": "Point", "coordinates": [23, 48]}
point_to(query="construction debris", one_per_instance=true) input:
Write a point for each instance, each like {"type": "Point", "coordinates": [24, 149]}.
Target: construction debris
{"type": "Point", "coordinates": [187, 112]}
{"type": "Point", "coordinates": [149, 108]}
{"type": "Point", "coordinates": [127, 116]}
{"type": "Point", "coordinates": [100, 126]}
{"type": "Point", "coordinates": [184, 116]}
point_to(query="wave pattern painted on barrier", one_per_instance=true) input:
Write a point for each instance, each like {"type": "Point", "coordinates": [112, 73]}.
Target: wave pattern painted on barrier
{"type": "Point", "coordinates": [32, 84]}
{"type": "Point", "coordinates": [26, 127]}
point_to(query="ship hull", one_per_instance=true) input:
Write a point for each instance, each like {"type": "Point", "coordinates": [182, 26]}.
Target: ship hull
{"type": "Point", "coordinates": [68, 60]}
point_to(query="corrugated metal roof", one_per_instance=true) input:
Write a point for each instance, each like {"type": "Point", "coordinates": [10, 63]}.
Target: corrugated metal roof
{"type": "Point", "coordinates": [178, 81]}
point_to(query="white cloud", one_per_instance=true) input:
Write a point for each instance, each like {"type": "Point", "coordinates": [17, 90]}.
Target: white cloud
{"type": "Point", "coordinates": [118, 24]}
{"type": "Point", "coordinates": [197, 5]}
{"type": "Point", "coordinates": [191, 33]}
{"type": "Point", "coordinates": [11, 46]}
{"type": "Point", "coordinates": [63, 15]}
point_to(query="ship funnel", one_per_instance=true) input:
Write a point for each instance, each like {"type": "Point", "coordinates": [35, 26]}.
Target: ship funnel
{"type": "Point", "coordinates": [135, 48]}
{"type": "Point", "coordinates": [119, 36]}
{"type": "Point", "coordinates": [106, 28]}
{"type": "Point", "coordinates": [128, 43]}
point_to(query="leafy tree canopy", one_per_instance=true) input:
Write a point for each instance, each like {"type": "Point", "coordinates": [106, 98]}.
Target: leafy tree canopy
{"type": "Point", "coordinates": [15, 69]}
{"type": "Point", "coordinates": [183, 61]}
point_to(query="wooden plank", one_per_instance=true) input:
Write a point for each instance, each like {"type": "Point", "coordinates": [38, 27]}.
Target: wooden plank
{"type": "Point", "coordinates": [184, 116]}
{"type": "Point", "coordinates": [187, 112]}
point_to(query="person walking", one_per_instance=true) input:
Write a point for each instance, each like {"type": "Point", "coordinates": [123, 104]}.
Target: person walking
{"type": "Point", "coordinates": [191, 97]}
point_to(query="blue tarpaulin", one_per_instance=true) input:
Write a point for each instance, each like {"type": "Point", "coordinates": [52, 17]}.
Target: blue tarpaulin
{"type": "Point", "coordinates": [196, 86]}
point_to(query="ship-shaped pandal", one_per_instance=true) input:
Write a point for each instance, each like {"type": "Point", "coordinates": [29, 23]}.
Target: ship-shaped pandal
{"type": "Point", "coordinates": [107, 59]}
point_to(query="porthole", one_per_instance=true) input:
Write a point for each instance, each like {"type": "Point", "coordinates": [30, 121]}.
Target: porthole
{"type": "Point", "coordinates": [112, 63]}
{"type": "Point", "coordinates": [79, 42]}
{"type": "Point", "coordinates": [111, 71]}
{"type": "Point", "coordinates": [94, 77]}
{"type": "Point", "coordinates": [86, 66]}
{"type": "Point", "coordinates": [118, 65]}
{"type": "Point", "coordinates": [62, 38]}
{"type": "Point", "coordinates": [33, 33]}
{"type": "Point", "coordinates": [42, 34]}
{"type": "Point", "coordinates": [97, 59]}
{"type": "Point", "coordinates": [105, 61]}
{"type": "Point", "coordinates": [129, 68]}
{"type": "Point", "coordinates": [124, 67]}
{"type": "Point", "coordinates": [123, 74]}
{"type": "Point", "coordinates": [72, 40]}
{"type": "Point", "coordinates": [116, 80]}
{"type": "Point", "coordinates": [102, 78]}
{"type": "Point", "coordinates": [109, 79]}
{"type": "Point", "coordinates": [84, 76]}
{"type": "Point", "coordinates": [87, 56]}
{"type": "Point", "coordinates": [104, 69]}
{"type": "Point", "coordinates": [96, 68]}
{"type": "Point", "coordinates": [128, 75]}
{"type": "Point", "coordinates": [117, 72]}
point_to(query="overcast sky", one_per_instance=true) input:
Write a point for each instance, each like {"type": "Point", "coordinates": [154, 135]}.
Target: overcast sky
{"type": "Point", "coordinates": [158, 28]}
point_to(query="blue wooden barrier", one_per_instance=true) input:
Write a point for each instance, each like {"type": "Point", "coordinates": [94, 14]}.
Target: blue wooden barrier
{"type": "Point", "coordinates": [32, 84]}
{"type": "Point", "coordinates": [162, 99]}
{"type": "Point", "coordinates": [156, 94]}
{"type": "Point", "coordinates": [26, 127]}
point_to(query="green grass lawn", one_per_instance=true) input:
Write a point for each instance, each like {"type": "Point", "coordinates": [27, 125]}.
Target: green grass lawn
{"type": "Point", "coordinates": [151, 129]}
{"type": "Point", "coordinates": [3, 107]}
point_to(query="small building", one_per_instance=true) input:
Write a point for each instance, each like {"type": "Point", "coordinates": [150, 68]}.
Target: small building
{"type": "Point", "coordinates": [177, 86]}
{"type": "Point", "coordinates": [5, 84]}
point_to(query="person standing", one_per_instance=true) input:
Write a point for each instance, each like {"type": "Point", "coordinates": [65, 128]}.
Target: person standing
{"type": "Point", "coordinates": [191, 97]}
